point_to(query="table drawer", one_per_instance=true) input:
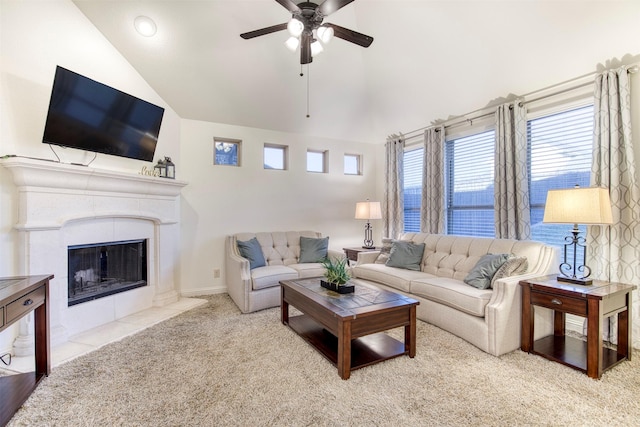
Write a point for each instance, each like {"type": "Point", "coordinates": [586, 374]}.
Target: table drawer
{"type": "Point", "coordinates": [555, 302]}
{"type": "Point", "coordinates": [1, 317]}
{"type": "Point", "coordinates": [23, 305]}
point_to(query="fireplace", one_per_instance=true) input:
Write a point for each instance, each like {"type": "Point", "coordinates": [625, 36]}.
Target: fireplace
{"type": "Point", "coordinates": [101, 269]}
{"type": "Point", "coordinates": [65, 206]}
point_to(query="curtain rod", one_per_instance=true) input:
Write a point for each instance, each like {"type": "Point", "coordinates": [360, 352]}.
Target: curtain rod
{"type": "Point", "coordinates": [633, 68]}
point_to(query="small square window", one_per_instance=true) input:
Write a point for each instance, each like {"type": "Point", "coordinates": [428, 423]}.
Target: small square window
{"type": "Point", "coordinates": [352, 164]}
{"type": "Point", "coordinates": [317, 161]}
{"type": "Point", "coordinates": [275, 156]}
{"type": "Point", "coordinates": [226, 152]}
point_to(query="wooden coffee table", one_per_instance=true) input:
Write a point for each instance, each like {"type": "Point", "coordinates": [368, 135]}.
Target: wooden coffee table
{"type": "Point", "coordinates": [348, 329]}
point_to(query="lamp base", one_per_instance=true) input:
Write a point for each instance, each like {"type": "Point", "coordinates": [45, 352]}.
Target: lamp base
{"type": "Point", "coordinates": [368, 247]}
{"type": "Point", "coordinates": [575, 280]}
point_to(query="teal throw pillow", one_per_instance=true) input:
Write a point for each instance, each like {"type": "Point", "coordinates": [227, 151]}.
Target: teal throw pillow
{"type": "Point", "coordinates": [313, 250]}
{"type": "Point", "coordinates": [481, 274]}
{"type": "Point", "coordinates": [252, 251]}
{"type": "Point", "coordinates": [405, 254]}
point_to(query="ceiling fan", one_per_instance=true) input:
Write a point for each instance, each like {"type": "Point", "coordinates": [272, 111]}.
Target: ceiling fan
{"type": "Point", "coordinates": [306, 24]}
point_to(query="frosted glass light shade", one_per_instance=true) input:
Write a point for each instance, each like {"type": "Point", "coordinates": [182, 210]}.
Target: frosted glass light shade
{"type": "Point", "coordinates": [316, 48]}
{"type": "Point", "coordinates": [295, 27]}
{"type": "Point", "coordinates": [368, 210]}
{"type": "Point", "coordinates": [589, 205]}
{"type": "Point", "coordinates": [325, 34]}
{"type": "Point", "coordinates": [292, 43]}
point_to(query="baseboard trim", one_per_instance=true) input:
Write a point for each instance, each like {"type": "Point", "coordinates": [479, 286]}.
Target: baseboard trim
{"type": "Point", "coordinates": [194, 292]}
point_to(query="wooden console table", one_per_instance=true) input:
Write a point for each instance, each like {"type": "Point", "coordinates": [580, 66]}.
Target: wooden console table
{"type": "Point", "coordinates": [595, 302]}
{"type": "Point", "coordinates": [18, 297]}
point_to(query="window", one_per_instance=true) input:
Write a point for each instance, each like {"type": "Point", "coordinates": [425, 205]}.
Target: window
{"type": "Point", "coordinates": [413, 161]}
{"type": "Point", "coordinates": [275, 156]}
{"type": "Point", "coordinates": [317, 161]}
{"type": "Point", "coordinates": [470, 171]}
{"type": "Point", "coordinates": [560, 148]}
{"type": "Point", "coordinates": [226, 152]}
{"type": "Point", "coordinates": [352, 164]}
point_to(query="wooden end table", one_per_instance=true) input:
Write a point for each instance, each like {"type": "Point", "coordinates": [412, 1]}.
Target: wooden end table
{"type": "Point", "coordinates": [20, 296]}
{"type": "Point", "coordinates": [595, 302]}
{"type": "Point", "coordinates": [347, 329]}
{"type": "Point", "coordinates": [352, 252]}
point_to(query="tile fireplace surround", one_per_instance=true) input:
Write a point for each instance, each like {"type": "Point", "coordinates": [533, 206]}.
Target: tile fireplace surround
{"type": "Point", "coordinates": [61, 205]}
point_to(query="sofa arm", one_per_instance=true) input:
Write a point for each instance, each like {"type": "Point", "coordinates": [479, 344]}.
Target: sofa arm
{"type": "Point", "coordinates": [237, 275]}
{"type": "Point", "coordinates": [367, 257]}
{"type": "Point", "coordinates": [503, 314]}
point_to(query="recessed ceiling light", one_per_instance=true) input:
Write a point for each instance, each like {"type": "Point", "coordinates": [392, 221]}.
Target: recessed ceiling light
{"type": "Point", "coordinates": [145, 26]}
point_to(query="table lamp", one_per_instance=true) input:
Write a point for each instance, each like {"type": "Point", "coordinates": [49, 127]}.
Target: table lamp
{"type": "Point", "coordinates": [368, 210]}
{"type": "Point", "coordinates": [589, 205]}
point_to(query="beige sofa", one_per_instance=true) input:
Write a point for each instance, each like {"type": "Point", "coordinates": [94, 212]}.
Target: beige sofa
{"type": "Point", "coordinates": [490, 318]}
{"type": "Point", "coordinates": [259, 288]}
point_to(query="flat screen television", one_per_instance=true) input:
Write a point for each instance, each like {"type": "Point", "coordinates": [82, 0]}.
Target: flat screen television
{"type": "Point", "coordinates": [92, 116]}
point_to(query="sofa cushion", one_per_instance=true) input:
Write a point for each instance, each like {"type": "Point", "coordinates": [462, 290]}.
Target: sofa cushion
{"type": "Point", "coordinates": [250, 249]}
{"type": "Point", "coordinates": [481, 274]}
{"type": "Point", "coordinates": [397, 278]}
{"type": "Point", "coordinates": [385, 250]}
{"type": "Point", "coordinates": [309, 269]}
{"type": "Point", "coordinates": [313, 250]}
{"type": "Point", "coordinates": [407, 255]}
{"type": "Point", "coordinates": [511, 267]}
{"type": "Point", "coordinates": [271, 275]}
{"type": "Point", "coordinates": [453, 293]}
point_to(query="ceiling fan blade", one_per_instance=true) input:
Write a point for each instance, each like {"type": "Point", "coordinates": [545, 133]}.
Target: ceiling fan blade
{"type": "Point", "coordinates": [263, 31]}
{"type": "Point", "coordinates": [305, 48]}
{"type": "Point", "coordinates": [330, 6]}
{"type": "Point", "coordinates": [351, 36]}
{"type": "Point", "coordinates": [290, 6]}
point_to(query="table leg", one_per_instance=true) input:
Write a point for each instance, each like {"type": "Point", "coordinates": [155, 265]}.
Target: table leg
{"type": "Point", "coordinates": [344, 350]}
{"type": "Point", "coordinates": [410, 333]}
{"type": "Point", "coordinates": [594, 338]}
{"type": "Point", "coordinates": [526, 339]}
{"type": "Point", "coordinates": [624, 331]}
{"type": "Point", "coordinates": [284, 308]}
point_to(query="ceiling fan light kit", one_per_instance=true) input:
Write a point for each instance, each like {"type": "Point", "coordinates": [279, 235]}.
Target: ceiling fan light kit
{"type": "Point", "coordinates": [307, 29]}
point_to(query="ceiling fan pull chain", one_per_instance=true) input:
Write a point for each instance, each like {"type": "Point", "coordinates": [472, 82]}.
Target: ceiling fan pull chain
{"type": "Point", "coordinates": [307, 91]}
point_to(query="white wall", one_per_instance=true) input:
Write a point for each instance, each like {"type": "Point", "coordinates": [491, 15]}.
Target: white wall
{"type": "Point", "coordinates": [35, 37]}
{"type": "Point", "coordinates": [222, 200]}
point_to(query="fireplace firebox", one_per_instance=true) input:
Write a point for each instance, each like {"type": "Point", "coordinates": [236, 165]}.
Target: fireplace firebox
{"type": "Point", "coordinates": [98, 270]}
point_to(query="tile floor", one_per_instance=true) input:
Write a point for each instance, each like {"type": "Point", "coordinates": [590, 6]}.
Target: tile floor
{"type": "Point", "coordinates": [93, 339]}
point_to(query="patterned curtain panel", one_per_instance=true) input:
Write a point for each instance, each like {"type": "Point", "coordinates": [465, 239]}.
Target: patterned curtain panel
{"type": "Point", "coordinates": [511, 187]}
{"type": "Point", "coordinates": [393, 201]}
{"type": "Point", "coordinates": [614, 251]}
{"type": "Point", "coordinates": [433, 184]}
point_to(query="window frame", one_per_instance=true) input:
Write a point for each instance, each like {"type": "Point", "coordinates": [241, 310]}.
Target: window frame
{"type": "Point", "coordinates": [285, 156]}
{"type": "Point", "coordinates": [236, 142]}
{"type": "Point", "coordinates": [358, 159]}
{"type": "Point", "coordinates": [325, 161]}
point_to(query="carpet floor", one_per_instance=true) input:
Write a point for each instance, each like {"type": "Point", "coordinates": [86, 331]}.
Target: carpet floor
{"type": "Point", "coordinates": [213, 366]}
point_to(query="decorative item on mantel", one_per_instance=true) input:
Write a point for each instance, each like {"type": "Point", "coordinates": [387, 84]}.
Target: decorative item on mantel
{"type": "Point", "coordinates": [166, 168]}
{"type": "Point", "coordinates": [337, 276]}
{"type": "Point", "coordinates": [590, 205]}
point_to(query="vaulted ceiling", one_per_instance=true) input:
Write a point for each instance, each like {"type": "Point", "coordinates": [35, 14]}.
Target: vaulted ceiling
{"type": "Point", "coordinates": [429, 59]}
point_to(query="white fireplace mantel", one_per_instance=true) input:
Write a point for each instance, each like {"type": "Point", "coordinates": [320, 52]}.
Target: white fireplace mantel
{"type": "Point", "coordinates": [61, 205]}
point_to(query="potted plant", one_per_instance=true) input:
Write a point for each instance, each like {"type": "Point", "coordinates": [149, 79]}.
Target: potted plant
{"type": "Point", "coordinates": [337, 275]}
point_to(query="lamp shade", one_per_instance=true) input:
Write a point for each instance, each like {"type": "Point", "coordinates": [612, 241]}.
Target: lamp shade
{"type": "Point", "coordinates": [368, 210]}
{"type": "Point", "coordinates": [589, 205]}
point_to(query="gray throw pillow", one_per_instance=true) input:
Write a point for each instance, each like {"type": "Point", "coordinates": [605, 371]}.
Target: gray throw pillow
{"type": "Point", "coordinates": [385, 250]}
{"type": "Point", "coordinates": [251, 250]}
{"type": "Point", "coordinates": [481, 274]}
{"type": "Point", "coordinates": [405, 254]}
{"type": "Point", "coordinates": [513, 266]}
{"type": "Point", "coordinates": [313, 250]}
